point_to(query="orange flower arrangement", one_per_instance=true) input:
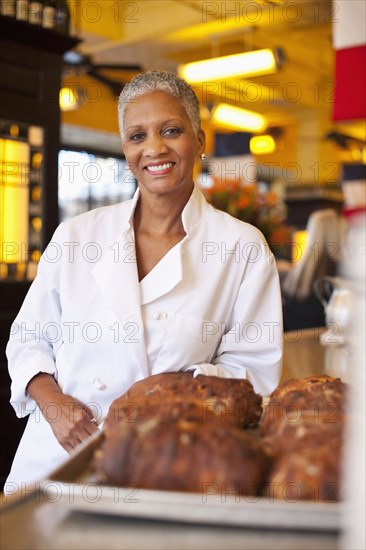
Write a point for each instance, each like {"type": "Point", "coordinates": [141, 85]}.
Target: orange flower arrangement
{"type": "Point", "coordinates": [247, 203]}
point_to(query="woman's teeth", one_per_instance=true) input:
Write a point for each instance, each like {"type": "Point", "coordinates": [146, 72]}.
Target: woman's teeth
{"type": "Point", "coordinates": [160, 167]}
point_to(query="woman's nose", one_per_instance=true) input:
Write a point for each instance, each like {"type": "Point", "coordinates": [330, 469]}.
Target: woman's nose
{"type": "Point", "coordinates": [155, 145]}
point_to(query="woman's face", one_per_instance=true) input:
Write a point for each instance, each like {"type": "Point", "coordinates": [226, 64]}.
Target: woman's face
{"type": "Point", "coordinates": [159, 143]}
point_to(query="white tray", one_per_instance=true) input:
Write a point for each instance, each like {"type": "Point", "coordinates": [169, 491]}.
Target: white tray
{"type": "Point", "coordinates": [73, 484]}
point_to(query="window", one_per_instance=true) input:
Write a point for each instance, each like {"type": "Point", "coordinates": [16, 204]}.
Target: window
{"type": "Point", "coordinates": [88, 181]}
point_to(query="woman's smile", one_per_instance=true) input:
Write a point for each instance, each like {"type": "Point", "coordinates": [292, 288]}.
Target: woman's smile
{"type": "Point", "coordinates": [160, 169]}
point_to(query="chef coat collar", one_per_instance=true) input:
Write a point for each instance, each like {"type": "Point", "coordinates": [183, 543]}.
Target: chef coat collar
{"type": "Point", "coordinates": [131, 210]}
{"type": "Point", "coordinates": [191, 213]}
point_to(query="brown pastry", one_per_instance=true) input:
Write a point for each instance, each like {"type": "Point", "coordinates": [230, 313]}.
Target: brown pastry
{"type": "Point", "coordinates": [305, 430]}
{"type": "Point", "coordinates": [173, 454]}
{"type": "Point", "coordinates": [302, 428]}
{"type": "Point", "coordinates": [308, 472]}
{"type": "Point", "coordinates": [232, 401]}
{"type": "Point", "coordinates": [322, 395]}
{"type": "Point", "coordinates": [303, 384]}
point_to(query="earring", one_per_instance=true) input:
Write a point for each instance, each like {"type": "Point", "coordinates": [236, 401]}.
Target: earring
{"type": "Point", "coordinates": [203, 156]}
{"type": "Point", "coordinates": [127, 167]}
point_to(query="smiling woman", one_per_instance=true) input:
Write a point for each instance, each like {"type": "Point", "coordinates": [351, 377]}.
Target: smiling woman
{"type": "Point", "coordinates": [175, 286]}
{"type": "Point", "coordinates": [161, 138]}
{"type": "Point", "coordinates": [160, 144]}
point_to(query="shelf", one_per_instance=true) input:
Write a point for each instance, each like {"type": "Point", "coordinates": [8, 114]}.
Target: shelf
{"type": "Point", "coordinates": [35, 36]}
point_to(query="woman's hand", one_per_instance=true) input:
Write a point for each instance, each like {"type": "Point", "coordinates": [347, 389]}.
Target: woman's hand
{"type": "Point", "coordinates": [71, 421]}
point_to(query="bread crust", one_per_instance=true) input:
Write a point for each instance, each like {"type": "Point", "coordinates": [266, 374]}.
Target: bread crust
{"type": "Point", "coordinates": [175, 454]}
{"type": "Point", "coordinates": [320, 394]}
{"type": "Point", "coordinates": [226, 400]}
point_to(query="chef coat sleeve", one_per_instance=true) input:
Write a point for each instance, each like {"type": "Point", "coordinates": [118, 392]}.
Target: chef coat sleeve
{"type": "Point", "coordinates": [252, 343]}
{"type": "Point", "coordinates": [33, 336]}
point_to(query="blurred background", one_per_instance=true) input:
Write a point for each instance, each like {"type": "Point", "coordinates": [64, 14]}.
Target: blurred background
{"type": "Point", "coordinates": [303, 134]}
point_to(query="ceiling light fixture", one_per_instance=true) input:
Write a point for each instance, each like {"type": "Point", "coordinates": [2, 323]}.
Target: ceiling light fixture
{"type": "Point", "coordinates": [260, 145]}
{"type": "Point", "coordinates": [253, 63]}
{"type": "Point", "coordinates": [71, 98]}
{"type": "Point", "coordinates": [238, 119]}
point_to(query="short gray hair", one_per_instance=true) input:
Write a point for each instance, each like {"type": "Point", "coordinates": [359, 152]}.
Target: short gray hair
{"type": "Point", "coordinates": [165, 81]}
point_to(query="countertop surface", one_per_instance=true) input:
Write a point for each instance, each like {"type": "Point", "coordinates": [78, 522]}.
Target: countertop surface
{"type": "Point", "coordinates": [46, 522]}
{"type": "Point", "coordinates": [52, 526]}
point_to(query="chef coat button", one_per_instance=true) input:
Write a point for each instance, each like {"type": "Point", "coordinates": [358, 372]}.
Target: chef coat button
{"type": "Point", "coordinates": [98, 383]}
{"type": "Point", "coordinates": [156, 316]}
{"type": "Point", "coordinates": [163, 315]}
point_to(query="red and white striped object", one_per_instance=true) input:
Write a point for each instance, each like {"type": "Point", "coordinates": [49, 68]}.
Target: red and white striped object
{"type": "Point", "coordinates": [349, 41]}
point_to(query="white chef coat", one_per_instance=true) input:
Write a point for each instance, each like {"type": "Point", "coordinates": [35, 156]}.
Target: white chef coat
{"type": "Point", "coordinates": [212, 305]}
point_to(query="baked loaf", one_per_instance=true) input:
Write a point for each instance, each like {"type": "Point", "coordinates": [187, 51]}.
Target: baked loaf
{"type": "Point", "coordinates": [307, 473]}
{"type": "Point", "coordinates": [175, 432]}
{"type": "Point", "coordinates": [305, 431]}
{"type": "Point", "coordinates": [302, 429]}
{"type": "Point", "coordinates": [304, 384]}
{"type": "Point", "coordinates": [307, 460]}
{"type": "Point", "coordinates": [225, 400]}
{"type": "Point", "coordinates": [174, 454]}
{"type": "Point", "coordinates": [320, 394]}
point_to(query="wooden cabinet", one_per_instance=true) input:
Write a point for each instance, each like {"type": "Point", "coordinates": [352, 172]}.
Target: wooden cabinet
{"type": "Point", "coordinates": [30, 79]}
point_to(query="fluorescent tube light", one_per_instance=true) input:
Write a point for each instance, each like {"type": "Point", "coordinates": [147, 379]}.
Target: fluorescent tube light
{"type": "Point", "coordinates": [238, 119]}
{"type": "Point", "coordinates": [253, 63]}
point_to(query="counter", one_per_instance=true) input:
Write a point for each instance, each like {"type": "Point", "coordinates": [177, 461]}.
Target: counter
{"type": "Point", "coordinates": [32, 523]}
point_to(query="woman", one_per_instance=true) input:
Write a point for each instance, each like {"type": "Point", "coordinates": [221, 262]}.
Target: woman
{"type": "Point", "coordinates": [321, 257]}
{"type": "Point", "coordinates": [160, 283]}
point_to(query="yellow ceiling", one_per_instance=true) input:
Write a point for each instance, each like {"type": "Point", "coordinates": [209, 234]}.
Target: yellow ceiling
{"type": "Point", "coordinates": [160, 34]}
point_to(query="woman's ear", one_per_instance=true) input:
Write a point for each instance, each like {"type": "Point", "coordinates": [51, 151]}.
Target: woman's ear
{"type": "Point", "coordinates": [201, 139]}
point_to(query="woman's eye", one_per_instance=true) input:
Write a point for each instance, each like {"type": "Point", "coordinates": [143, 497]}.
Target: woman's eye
{"type": "Point", "coordinates": [172, 131]}
{"type": "Point", "coordinates": [136, 137]}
